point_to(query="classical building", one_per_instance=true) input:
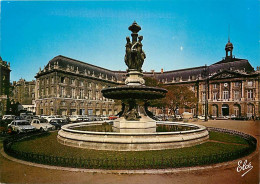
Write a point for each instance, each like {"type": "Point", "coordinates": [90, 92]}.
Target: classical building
{"type": "Point", "coordinates": [24, 93]}
{"type": "Point", "coordinates": [4, 85]}
{"type": "Point", "coordinates": [225, 88]}
{"type": "Point", "coordinates": [68, 86]}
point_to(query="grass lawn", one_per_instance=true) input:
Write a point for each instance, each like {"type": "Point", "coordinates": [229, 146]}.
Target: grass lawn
{"type": "Point", "coordinates": [48, 145]}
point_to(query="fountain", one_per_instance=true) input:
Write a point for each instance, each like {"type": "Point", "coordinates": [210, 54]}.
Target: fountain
{"type": "Point", "coordinates": [134, 130]}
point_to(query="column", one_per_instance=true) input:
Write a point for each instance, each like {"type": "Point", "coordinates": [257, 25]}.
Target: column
{"type": "Point", "coordinates": [242, 91]}
{"type": "Point", "coordinates": [231, 92]}
{"type": "Point", "coordinates": [220, 91]}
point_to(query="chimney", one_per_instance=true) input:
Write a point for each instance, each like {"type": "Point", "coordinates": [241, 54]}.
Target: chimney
{"type": "Point", "coordinates": [162, 70]}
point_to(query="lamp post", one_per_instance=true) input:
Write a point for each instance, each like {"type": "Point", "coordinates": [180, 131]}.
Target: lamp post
{"type": "Point", "coordinates": [206, 76]}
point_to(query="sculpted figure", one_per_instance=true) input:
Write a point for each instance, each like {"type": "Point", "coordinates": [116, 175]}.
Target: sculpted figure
{"type": "Point", "coordinates": [134, 57]}
{"type": "Point", "coordinates": [128, 60]}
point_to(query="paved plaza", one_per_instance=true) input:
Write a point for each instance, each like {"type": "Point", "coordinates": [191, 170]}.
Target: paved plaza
{"type": "Point", "coordinates": [13, 172]}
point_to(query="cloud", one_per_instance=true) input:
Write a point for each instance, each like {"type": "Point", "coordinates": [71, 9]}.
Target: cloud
{"type": "Point", "coordinates": [181, 48]}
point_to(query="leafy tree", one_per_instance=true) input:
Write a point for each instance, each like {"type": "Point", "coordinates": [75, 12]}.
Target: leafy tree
{"type": "Point", "coordinates": [179, 96]}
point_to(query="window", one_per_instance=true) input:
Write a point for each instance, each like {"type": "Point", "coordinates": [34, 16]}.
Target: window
{"type": "Point", "coordinates": [81, 93]}
{"type": "Point", "coordinates": [52, 80]}
{"type": "Point", "coordinates": [225, 95]}
{"type": "Point", "coordinates": [62, 91]}
{"type": "Point", "coordinates": [47, 91]}
{"type": "Point", "coordinates": [236, 95]}
{"type": "Point", "coordinates": [47, 81]}
{"type": "Point", "coordinates": [81, 83]}
{"type": "Point", "coordinates": [237, 84]}
{"type": "Point", "coordinates": [73, 81]}
{"type": "Point", "coordinates": [89, 94]}
{"type": "Point", "coordinates": [42, 92]}
{"type": "Point", "coordinates": [203, 96]}
{"type": "Point", "coordinates": [215, 86]}
{"type": "Point", "coordinates": [250, 94]}
{"type": "Point", "coordinates": [250, 83]}
{"type": "Point", "coordinates": [52, 90]}
{"type": "Point", "coordinates": [62, 79]}
{"type": "Point", "coordinates": [97, 95]}
{"type": "Point", "coordinates": [73, 93]}
{"type": "Point", "coordinates": [215, 96]}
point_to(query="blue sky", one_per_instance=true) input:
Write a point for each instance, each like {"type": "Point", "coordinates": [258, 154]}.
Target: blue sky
{"type": "Point", "coordinates": [177, 34]}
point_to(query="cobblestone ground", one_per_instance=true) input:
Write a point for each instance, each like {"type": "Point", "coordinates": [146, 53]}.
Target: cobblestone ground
{"type": "Point", "coordinates": [12, 172]}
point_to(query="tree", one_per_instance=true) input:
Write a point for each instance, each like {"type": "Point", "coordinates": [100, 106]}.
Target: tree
{"type": "Point", "coordinates": [152, 82]}
{"type": "Point", "coordinates": [179, 96]}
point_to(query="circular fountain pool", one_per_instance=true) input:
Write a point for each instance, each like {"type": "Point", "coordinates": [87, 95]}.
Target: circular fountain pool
{"type": "Point", "coordinates": [96, 135]}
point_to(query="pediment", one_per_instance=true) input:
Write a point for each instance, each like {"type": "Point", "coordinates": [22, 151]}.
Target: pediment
{"type": "Point", "coordinates": [226, 74]}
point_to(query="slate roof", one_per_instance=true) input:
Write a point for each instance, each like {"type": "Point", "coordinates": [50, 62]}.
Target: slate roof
{"type": "Point", "coordinates": [238, 65]}
{"type": "Point", "coordinates": [232, 64]}
{"type": "Point", "coordinates": [65, 62]}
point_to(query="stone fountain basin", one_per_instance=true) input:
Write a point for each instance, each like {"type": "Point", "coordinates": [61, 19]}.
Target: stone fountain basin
{"type": "Point", "coordinates": [115, 141]}
{"type": "Point", "coordinates": [134, 92]}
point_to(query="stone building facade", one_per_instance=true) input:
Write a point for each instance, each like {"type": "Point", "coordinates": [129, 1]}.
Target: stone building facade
{"type": "Point", "coordinates": [4, 85]}
{"type": "Point", "coordinates": [228, 87]}
{"type": "Point", "coordinates": [24, 93]}
{"type": "Point", "coordinates": [71, 87]}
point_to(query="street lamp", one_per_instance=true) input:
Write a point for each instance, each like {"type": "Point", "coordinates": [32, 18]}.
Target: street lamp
{"type": "Point", "coordinates": [206, 76]}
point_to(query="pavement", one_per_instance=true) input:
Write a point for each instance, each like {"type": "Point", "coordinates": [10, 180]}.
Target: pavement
{"type": "Point", "coordinates": [14, 172]}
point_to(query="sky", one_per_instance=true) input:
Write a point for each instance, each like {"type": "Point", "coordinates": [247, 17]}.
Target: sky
{"type": "Point", "coordinates": [176, 34]}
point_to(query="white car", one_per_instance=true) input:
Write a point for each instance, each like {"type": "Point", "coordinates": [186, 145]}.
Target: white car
{"type": "Point", "coordinates": [8, 117]}
{"type": "Point", "coordinates": [42, 125]}
{"type": "Point", "coordinates": [21, 126]}
{"type": "Point", "coordinates": [201, 117]}
{"type": "Point", "coordinates": [73, 118]}
{"type": "Point", "coordinates": [49, 118]}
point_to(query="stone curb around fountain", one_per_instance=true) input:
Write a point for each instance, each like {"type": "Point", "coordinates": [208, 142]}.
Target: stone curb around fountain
{"type": "Point", "coordinates": [132, 141]}
{"type": "Point", "coordinates": [225, 165]}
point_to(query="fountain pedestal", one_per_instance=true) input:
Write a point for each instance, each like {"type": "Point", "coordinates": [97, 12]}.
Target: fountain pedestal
{"type": "Point", "coordinates": [144, 125]}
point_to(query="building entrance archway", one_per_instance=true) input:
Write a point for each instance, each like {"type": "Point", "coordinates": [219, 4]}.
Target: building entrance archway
{"type": "Point", "coordinates": [225, 110]}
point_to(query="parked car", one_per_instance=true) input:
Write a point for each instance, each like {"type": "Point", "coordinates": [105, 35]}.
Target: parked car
{"type": "Point", "coordinates": [178, 117]}
{"type": "Point", "coordinates": [73, 118]}
{"type": "Point", "coordinates": [10, 117]}
{"type": "Point", "coordinates": [201, 117]}
{"type": "Point", "coordinates": [187, 115]}
{"type": "Point", "coordinates": [58, 123]}
{"type": "Point", "coordinates": [42, 124]}
{"type": "Point", "coordinates": [213, 117]}
{"type": "Point", "coordinates": [233, 116]}
{"type": "Point", "coordinates": [83, 119]}
{"type": "Point", "coordinates": [112, 117]}
{"type": "Point", "coordinates": [21, 126]}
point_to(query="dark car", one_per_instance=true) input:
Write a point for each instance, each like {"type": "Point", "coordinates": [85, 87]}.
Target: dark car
{"type": "Point", "coordinates": [58, 123]}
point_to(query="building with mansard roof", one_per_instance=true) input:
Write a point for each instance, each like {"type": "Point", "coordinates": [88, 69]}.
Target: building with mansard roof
{"type": "Point", "coordinates": [228, 87]}
{"type": "Point", "coordinates": [70, 87]}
